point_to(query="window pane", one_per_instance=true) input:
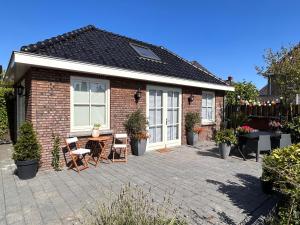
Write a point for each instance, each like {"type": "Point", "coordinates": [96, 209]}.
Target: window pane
{"type": "Point", "coordinates": [151, 117]}
{"type": "Point", "coordinates": [209, 100]}
{"type": "Point", "coordinates": [170, 116]}
{"type": "Point", "coordinates": [175, 116]}
{"type": "Point", "coordinates": [159, 99]}
{"type": "Point", "coordinates": [175, 132]}
{"type": "Point", "coordinates": [98, 115]}
{"type": "Point", "coordinates": [170, 97]}
{"type": "Point", "coordinates": [152, 98]}
{"type": "Point", "coordinates": [81, 115]}
{"type": "Point", "coordinates": [209, 113]}
{"type": "Point", "coordinates": [158, 116]}
{"type": "Point", "coordinates": [97, 93]}
{"type": "Point", "coordinates": [152, 134]}
{"type": "Point", "coordinates": [158, 134]}
{"type": "Point", "coordinates": [81, 92]}
{"type": "Point", "coordinates": [169, 133]}
{"type": "Point", "coordinates": [176, 99]}
{"type": "Point", "coordinates": [204, 115]}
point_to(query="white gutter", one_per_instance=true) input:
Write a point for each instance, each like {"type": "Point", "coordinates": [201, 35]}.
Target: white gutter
{"type": "Point", "coordinates": [72, 65]}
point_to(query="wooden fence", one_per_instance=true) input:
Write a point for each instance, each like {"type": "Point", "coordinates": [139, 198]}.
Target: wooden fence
{"type": "Point", "coordinates": [259, 115]}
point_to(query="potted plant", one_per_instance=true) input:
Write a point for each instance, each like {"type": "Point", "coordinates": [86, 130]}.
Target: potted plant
{"type": "Point", "coordinates": [191, 119]}
{"type": "Point", "coordinates": [225, 138]}
{"type": "Point", "coordinates": [275, 126]}
{"type": "Point", "coordinates": [27, 152]}
{"type": "Point", "coordinates": [135, 126]}
{"type": "Point", "coordinates": [96, 130]}
{"type": "Point", "coordinates": [245, 129]}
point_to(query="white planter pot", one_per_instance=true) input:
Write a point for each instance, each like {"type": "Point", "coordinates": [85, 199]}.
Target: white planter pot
{"type": "Point", "coordinates": [95, 133]}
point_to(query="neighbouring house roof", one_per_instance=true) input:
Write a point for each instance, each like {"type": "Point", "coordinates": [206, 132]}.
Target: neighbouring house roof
{"type": "Point", "coordinates": [264, 91]}
{"type": "Point", "coordinates": [92, 45]}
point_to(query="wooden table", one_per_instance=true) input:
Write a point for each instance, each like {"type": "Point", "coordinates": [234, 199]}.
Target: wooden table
{"type": "Point", "coordinates": [102, 140]}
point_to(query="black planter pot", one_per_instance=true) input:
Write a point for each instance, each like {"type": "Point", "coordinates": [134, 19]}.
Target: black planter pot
{"type": "Point", "coordinates": [27, 169]}
{"type": "Point", "coordinates": [266, 186]}
{"type": "Point", "coordinates": [138, 147]}
{"type": "Point", "coordinates": [192, 138]}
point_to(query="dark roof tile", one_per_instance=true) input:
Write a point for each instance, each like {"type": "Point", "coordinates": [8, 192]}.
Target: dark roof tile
{"type": "Point", "coordinates": [93, 45]}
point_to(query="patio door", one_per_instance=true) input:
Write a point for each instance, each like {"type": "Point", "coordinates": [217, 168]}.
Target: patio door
{"type": "Point", "coordinates": [164, 117]}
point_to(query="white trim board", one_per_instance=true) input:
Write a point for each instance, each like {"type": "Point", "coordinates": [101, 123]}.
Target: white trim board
{"type": "Point", "coordinates": [71, 65]}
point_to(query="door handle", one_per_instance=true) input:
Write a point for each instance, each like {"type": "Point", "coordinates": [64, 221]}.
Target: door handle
{"type": "Point", "coordinates": [166, 121]}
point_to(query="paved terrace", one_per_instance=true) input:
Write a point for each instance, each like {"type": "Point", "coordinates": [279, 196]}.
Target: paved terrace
{"type": "Point", "coordinates": [211, 190]}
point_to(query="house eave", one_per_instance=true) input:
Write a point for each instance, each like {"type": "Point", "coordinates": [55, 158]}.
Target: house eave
{"type": "Point", "coordinates": [21, 61]}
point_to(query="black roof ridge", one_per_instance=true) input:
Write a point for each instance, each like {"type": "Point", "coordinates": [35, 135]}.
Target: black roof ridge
{"type": "Point", "coordinates": [183, 59]}
{"type": "Point", "coordinates": [74, 33]}
{"type": "Point", "coordinates": [58, 38]}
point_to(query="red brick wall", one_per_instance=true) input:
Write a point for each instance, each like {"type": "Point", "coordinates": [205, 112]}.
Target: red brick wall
{"type": "Point", "coordinates": [48, 106]}
{"type": "Point", "coordinates": [195, 106]}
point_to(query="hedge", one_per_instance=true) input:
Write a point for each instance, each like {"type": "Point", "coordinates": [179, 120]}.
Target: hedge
{"type": "Point", "coordinates": [5, 91]}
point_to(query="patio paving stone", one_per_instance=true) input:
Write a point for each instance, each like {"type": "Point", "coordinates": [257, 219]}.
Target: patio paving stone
{"type": "Point", "coordinates": [209, 190]}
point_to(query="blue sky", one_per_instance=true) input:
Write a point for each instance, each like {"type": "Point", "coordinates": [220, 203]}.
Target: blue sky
{"type": "Point", "coordinates": [227, 37]}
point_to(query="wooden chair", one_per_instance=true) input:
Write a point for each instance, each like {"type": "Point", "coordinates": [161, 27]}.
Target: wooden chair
{"type": "Point", "coordinates": [77, 153]}
{"type": "Point", "coordinates": [120, 143]}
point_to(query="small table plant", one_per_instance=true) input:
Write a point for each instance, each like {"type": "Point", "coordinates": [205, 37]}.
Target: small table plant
{"type": "Point", "coordinates": [96, 130]}
{"type": "Point", "coordinates": [27, 152]}
{"type": "Point", "coordinates": [135, 126]}
{"type": "Point", "coordinates": [191, 120]}
{"type": "Point", "coordinates": [225, 138]}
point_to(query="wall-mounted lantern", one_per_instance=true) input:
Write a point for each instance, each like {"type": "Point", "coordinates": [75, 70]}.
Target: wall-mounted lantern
{"type": "Point", "coordinates": [191, 98]}
{"type": "Point", "coordinates": [20, 90]}
{"type": "Point", "coordinates": [138, 95]}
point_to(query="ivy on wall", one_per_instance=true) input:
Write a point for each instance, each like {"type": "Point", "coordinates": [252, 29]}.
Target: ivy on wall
{"type": "Point", "coordinates": [6, 90]}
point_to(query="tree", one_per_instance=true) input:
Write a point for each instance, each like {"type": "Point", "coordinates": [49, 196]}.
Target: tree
{"type": "Point", "coordinates": [243, 90]}
{"type": "Point", "coordinates": [283, 67]}
{"type": "Point", "coordinates": [2, 75]}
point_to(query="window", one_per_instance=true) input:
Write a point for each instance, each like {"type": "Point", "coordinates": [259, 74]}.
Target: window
{"type": "Point", "coordinates": [208, 107]}
{"type": "Point", "coordinates": [89, 103]}
{"type": "Point", "coordinates": [144, 51]}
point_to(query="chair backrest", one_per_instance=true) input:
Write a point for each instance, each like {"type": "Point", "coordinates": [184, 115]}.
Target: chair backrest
{"type": "Point", "coordinates": [264, 142]}
{"type": "Point", "coordinates": [71, 140]}
{"type": "Point", "coordinates": [285, 140]}
{"type": "Point", "coordinates": [72, 143]}
{"type": "Point", "coordinates": [120, 138]}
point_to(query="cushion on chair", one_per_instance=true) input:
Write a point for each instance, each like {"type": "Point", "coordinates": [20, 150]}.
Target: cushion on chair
{"type": "Point", "coordinates": [81, 151]}
{"type": "Point", "coordinates": [119, 146]}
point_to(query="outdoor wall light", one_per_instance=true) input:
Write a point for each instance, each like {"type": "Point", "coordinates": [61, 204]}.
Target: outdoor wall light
{"type": "Point", "coordinates": [191, 98]}
{"type": "Point", "coordinates": [20, 89]}
{"type": "Point", "coordinates": [138, 95]}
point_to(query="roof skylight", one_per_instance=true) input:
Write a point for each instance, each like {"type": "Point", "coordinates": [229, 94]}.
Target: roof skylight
{"type": "Point", "coordinates": [144, 51]}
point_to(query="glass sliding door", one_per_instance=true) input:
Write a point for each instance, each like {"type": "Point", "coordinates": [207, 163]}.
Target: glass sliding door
{"type": "Point", "coordinates": [164, 116]}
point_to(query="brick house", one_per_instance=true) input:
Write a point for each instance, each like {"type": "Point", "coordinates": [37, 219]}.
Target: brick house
{"type": "Point", "coordinates": [90, 76]}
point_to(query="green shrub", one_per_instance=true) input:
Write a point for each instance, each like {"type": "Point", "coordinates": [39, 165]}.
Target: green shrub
{"type": "Point", "coordinates": [133, 206]}
{"type": "Point", "coordinates": [191, 119]}
{"type": "Point", "coordinates": [293, 128]}
{"type": "Point", "coordinates": [55, 152]}
{"type": "Point", "coordinates": [225, 136]}
{"type": "Point", "coordinates": [27, 146]}
{"type": "Point", "coordinates": [282, 167]}
{"type": "Point", "coordinates": [136, 125]}
{"type": "Point", "coordinates": [5, 90]}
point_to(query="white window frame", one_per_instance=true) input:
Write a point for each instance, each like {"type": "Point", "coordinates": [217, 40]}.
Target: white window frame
{"type": "Point", "coordinates": [205, 121]}
{"type": "Point", "coordinates": [107, 101]}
